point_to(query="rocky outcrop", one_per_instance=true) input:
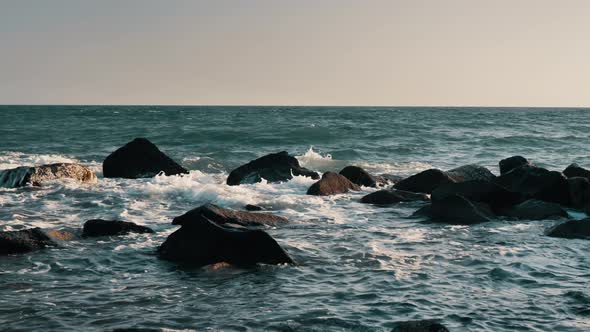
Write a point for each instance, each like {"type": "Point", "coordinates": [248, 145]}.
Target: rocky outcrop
{"type": "Point", "coordinates": [201, 242]}
{"type": "Point", "coordinates": [99, 227]}
{"type": "Point", "coordinates": [139, 158]}
{"type": "Point", "coordinates": [538, 183]}
{"type": "Point", "coordinates": [471, 173]}
{"type": "Point", "coordinates": [359, 176]}
{"type": "Point", "coordinates": [458, 210]}
{"type": "Point", "coordinates": [419, 326]}
{"type": "Point", "coordinates": [22, 241]}
{"type": "Point", "coordinates": [424, 182]}
{"type": "Point", "coordinates": [535, 210]}
{"type": "Point", "coordinates": [37, 175]}
{"type": "Point", "coordinates": [331, 184]}
{"type": "Point", "coordinates": [392, 196]}
{"type": "Point", "coordinates": [223, 216]}
{"type": "Point", "coordinates": [572, 229]}
{"type": "Point", "coordinates": [487, 192]}
{"type": "Point", "coordinates": [508, 164]}
{"type": "Point", "coordinates": [275, 167]}
{"type": "Point", "coordinates": [575, 170]}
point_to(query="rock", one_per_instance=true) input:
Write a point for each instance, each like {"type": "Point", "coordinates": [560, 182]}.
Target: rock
{"type": "Point", "coordinates": [139, 158]}
{"type": "Point", "coordinates": [458, 210]}
{"type": "Point", "coordinates": [575, 170]}
{"type": "Point", "coordinates": [579, 188]}
{"type": "Point", "coordinates": [61, 235]}
{"type": "Point", "coordinates": [508, 164]}
{"type": "Point", "coordinates": [275, 167]}
{"type": "Point", "coordinates": [22, 241]}
{"type": "Point", "coordinates": [572, 229]}
{"type": "Point", "coordinates": [223, 216]}
{"type": "Point", "coordinates": [250, 207]}
{"type": "Point", "coordinates": [419, 326]}
{"type": "Point", "coordinates": [201, 242]}
{"type": "Point", "coordinates": [358, 176]}
{"type": "Point", "coordinates": [21, 176]}
{"type": "Point", "coordinates": [487, 192]}
{"type": "Point", "coordinates": [392, 196]}
{"type": "Point", "coordinates": [99, 227]}
{"type": "Point", "coordinates": [536, 182]}
{"type": "Point", "coordinates": [535, 210]}
{"type": "Point", "coordinates": [424, 182]}
{"type": "Point", "coordinates": [425, 211]}
{"type": "Point", "coordinates": [388, 179]}
{"type": "Point", "coordinates": [471, 173]}
{"type": "Point", "coordinates": [330, 184]}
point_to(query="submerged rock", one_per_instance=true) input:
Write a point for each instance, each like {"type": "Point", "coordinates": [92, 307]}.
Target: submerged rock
{"type": "Point", "coordinates": [535, 210]}
{"type": "Point", "coordinates": [22, 241]}
{"type": "Point", "coordinates": [572, 229]}
{"type": "Point", "coordinates": [508, 164]}
{"type": "Point", "coordinates": [392, 196]}
{"type": "Point", "coordinates": [424, 182]}
{"type": "Point", "coordinates": [359, 176]}
{"type": "Point", "coordinates": [458, 210]}
{"type": "Point", "coordinates": [575, 170]}
{"type": "Point", "coordinates": [275, 167]}
{"type": "Point", "coordinates": [471, 173]}
{"type": "Point", "coordinates": [419, 326]}
{"type": "Point", "coordinates": [223, 216]}
{"type": "Point", "coordinates": [99, 227]}
{"type": "Point", "coordinates": [201, 242]}
{"type": "Point", "coordinates": [330, 184]}
{"type": "Point", "coordinates": [21, 176]}
{"type": "Point", "coordinates": [536, 182]}
{"type": "Point", "coordinates": [139, 158]}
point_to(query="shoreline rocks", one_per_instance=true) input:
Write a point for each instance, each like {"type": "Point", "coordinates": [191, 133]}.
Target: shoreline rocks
{"type": "Point", "coordinates": [330, 184]}
{"type": "Point", "coordinates": [99, 227]}
{"type": "Point", "coordinates": [538, 183]}
{"type": "Point", "coordinates": [36, 175]}
{"type": "Point", "coordinates": [139, 158]}
{"type": "Point", "coordinates": [274, 167]}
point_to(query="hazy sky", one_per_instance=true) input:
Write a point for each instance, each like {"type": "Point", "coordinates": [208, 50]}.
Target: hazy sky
{"type": "Point", "coordinates": [300, 52]}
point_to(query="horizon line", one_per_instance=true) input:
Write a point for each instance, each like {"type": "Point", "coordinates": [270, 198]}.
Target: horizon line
{"type": "Point", "coordinates": [286, 105]}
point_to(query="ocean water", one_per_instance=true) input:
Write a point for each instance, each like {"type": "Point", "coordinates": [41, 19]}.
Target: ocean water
{"type": "Point", "coordinates": [361, 267]}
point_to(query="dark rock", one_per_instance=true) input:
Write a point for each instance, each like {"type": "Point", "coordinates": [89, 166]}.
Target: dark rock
{"type": "Point", "coordinates": [388, 179]}
{"type": "Point", "coordinates": [425, 211]}
{"type": "Point", "coordinates": [419, 326]}
{"type": "Point", "coordinates": [250, 207]}
{"type": "Point", "coordinates": [358, 176]}
{"type": "Point", "coordinates": [458, 210]}
{"type": "Point", "coordinates": [535, 210]}
{"type": "Point", "coordinates": [536, 182]}
{"type": "Point", "coordinates": [392, 196]}
{"type": "Point", "coordinates": [471, 173]}
{"type": "Point", "coordinates": [201, 242]}
{"type": "Point", "coordinates": [139, 158]}
{"type": "Point", "coordinates": [26, 240]}
{"type": "Point", "coordinates": [223, 216]}
{"type": "Point", "coordinates": [21, 176]}
{"type": "Point", "coordinates": [508, 164]}
{"type": "Point", "coordinates": [330, 184]}
{"type": "Point", "coordinates": [424, 182]}
{"type": "Point", "coordinates": [575, 170]}
{"type": "Point", "coordinates": [275, 167]}
{"type": "Point", "coordinates": [479, 191]}
{"type": "Point", "coordinates": [579, 188]}
{"type": "Point", "coordinates": [572, 229]}
{"type": "Point", "coordinates": [99, 227]}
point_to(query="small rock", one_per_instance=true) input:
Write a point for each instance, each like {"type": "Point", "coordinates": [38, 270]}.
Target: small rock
{"type": "Point", "coordinates": [21, 176]}
{"type": "Point", "coordinates": [419, 326]}
{"type": "Point", "coordinates": [99, 227]}
{"type": "Point", "coordinates": [424, 182]}
{"type": "Point", "coordinates": [250, 207]}
{"type": "Point", "coordinates": [575, 170]}
{"type": "Point", "coordinates": [572, 229]}
{"type": "Point", "coordinates": [223, 216]}
{"type": "Point", "coordinates": [22, 241]}
{"type": "Point", "coordinates": [392, 196]}
{"type": "Point", "coordinates": [358, 176]}
{"type": "Point", "coordinates": [330, 184]}
{"type": "Point", "coordinates": [508, 164]}
{"type": "Point", "coordinates": [471, 173]}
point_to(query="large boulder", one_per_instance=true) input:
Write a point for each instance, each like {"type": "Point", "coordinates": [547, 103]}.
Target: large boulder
{"type": "Point", "coordinates": [419, 326]}
{"type": "Point", "coordinates": [37, 175]}
{"type": "Point", "coordinates": [575, 170]}
{"type": "Point", "coordinates": [392, 196]}
{"type": "Point", "coordinates": [458, 210]}
{"type": "Point", "coordinates": [471, 173]}
{"type": "Point", "coordinates": [275, 167]}
{"type": "Point", "coordinates": [359, 176]}
{"type": "Point", "coordinates": [424, 182]}
{"type": "Point", "coordinates": [579, 188]}
{"type": "Point", "coordinates": [487, 192]}
{"type": "Point", "coordinates": [330, 184]}
{"type": "Point", "coordinates": [22, 241]}
{"type": "Point", "coordinates": [533, 209]}
{"type": "Point", "coordinates": [572, 229]}
{"type": "Point", "coordinates": [223, 216]}
{"type": "Point", "coordinates": [99, 227]}
{"type": "Point", "coordinates": [139, 158]}
{"type": "Point", "coordinates": [201, 242]}
{"type": "Point", "coordinates": [536, 182]}
{"type": "Point", "coordinates": [508, 164]}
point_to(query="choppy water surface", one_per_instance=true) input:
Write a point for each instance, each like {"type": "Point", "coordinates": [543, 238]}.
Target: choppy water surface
{"type": "Point", "coordinates": [361, 267]}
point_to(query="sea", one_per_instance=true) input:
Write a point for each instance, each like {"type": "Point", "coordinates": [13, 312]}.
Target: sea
{"type": "Point", "coordinates": [359, 267]}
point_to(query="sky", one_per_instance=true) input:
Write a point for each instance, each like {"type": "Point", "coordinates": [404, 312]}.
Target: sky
{"type": "Point", "coordinates": [304, 52]}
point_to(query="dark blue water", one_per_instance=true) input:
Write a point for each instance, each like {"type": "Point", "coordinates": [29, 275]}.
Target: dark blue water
{"type": "Point", "coordinates": [362, 268]}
